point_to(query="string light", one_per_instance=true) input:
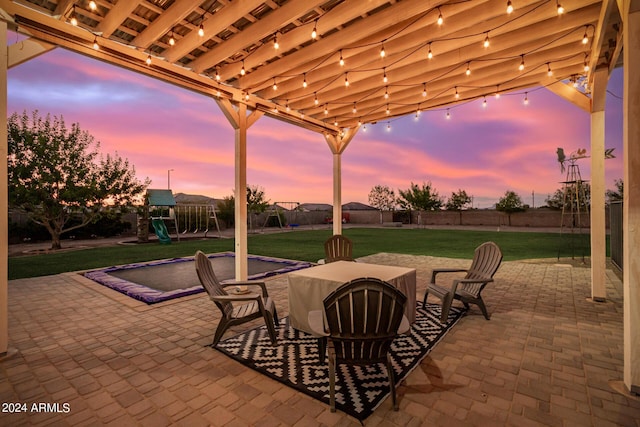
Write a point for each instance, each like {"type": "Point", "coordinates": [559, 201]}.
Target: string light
{"type": "Point", "coordinates": [246, 96]}
{"type": "Point", "coordinates": [585, 38]}
{"type": "Point", "coordinates": [218, 93]}
{"type": "Point", "coordinates": [468, 72]}
{"type": "Point", "coordinates": [521, 66]}
{"type": "Point", "coordinates": [315, 98]}
{"type": "Point", "coordinates": [276, 45]}
{"type": "Point", "coordinates": [360, 122]}
{"type": "Point", "coordinates": [172, 40]}
{"type": "Point", "coordinates": [242, 70]}
{"type": "Point", "coordinates": [335, 122]}
{"type": "Point", "coordinates": [388, 110]}
{"type": "Point", "coordinates": [304, 80]}
{"type": "Point", "coordinates": [275, 85]}
{"type": "Point", "coordinates": [275, 109]}
{"type": "Point", "coordinates": [217, 75]}
{"type": "Point", "coordinates": [364, 128]}
{"type": "Point", "coordinates": [382, 52]}
{"type": "Point", "coordinates": [201, 28]}
{"type": "Point", "coordinates": [341, 59]}
{"type": "Point", "coordinates": [148, 61]}
{"type": "Point", "coordinates": [354, 110]}
{"type": "Point", "coordinates": [287, 106]}
{"type": "Point", "coordinates": [484, 102]}
{"type": "Point", "coordinates": [424, 90]}
{"type": "Point", "coordinates": [448, 114]}
{"type": "Point", "coordinates": [386, 92]}
{"type": "Point", "coordinates": [384, 76]}
{"type": "Point", "coordinates": [559, 8]}
{"type": "Point", "coordinates": [314, 33]}
{"type": "Point", "coordinates": [526, 98]}
{"type": "Point", "coordinates": [429, 54]}
{"type": "Point", "coordinates": [326, 110]}
{"type": "Point", "coordinates": [509, 7]}
{"type": "Point", "coordinates": [93, 5]}
{"type": "Point", "coordinates": [549, 71]}
{"type": "Point", "coordinates": [74, 20]}
{"type": "Point", "coordinates": [457, 95]}
{"type": "Point", "coordinates": [346, 80]}
{"type": "Point", "coordinates": [486, 41]}
{"type": "Point", "coordinates": [417, 113]}
{"type": "Point", "coordinates": [497, 95]}
{"type": "Point", "coordinates": [388, 127]}
{"type": "Point", "coordinates": [586, 65]}
{"type": "Point", "coordinates": [440, 18]}
{"type": "Point", "coordinates": [96, 46]}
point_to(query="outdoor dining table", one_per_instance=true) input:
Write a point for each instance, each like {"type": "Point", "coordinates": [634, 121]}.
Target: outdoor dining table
{"type": "Point", "coordinates": [309, 287]}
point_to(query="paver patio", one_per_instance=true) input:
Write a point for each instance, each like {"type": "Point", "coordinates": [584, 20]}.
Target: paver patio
{"type": "Point", "coordinates": [548, 356]}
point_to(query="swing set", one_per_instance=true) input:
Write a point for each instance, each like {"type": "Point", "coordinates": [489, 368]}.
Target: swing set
{"type": "Point", "coordinates": [195, 219]}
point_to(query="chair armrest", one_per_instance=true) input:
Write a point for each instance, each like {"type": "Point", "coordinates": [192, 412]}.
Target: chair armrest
{"type": "Point", "coordinates": [405, 326]}
{"type": "Point", "coordinates": [262, 285]}
{"type": "Point", "coordinates": [436, 271]}
{"type": "Point", "coordinates": [231, 298]}
{"type": "Point", "coordinates": [317, 323]}
{"type": "Point", "coordinates": [469, 281]}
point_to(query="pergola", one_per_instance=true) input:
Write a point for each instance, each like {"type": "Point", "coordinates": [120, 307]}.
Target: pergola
{"type": "Point", "coordinates": [332, 66]}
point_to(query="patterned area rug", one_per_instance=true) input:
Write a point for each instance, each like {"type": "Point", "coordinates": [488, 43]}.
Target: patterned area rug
{"type": "Point", "coordinates": [359, 390]}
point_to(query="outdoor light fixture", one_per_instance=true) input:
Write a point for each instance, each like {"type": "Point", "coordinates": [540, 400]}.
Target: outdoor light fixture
{"type": "Point", "coordinates": [96, 46]}
{"type": "Point", "coordinates": [242, 70]}
{"type": "Point", "coordinates": [468, 72]}
{"type": "Point", "coordinates": [585, 38]}
{"type": "Point", "coordinates": [314, 33]}
{"type": "Point", "coordinates": [304, 80]}
{"type": "Point", "coordinates": [346, 80]}
{"type": "Point", "coordinates": [341, 59]}
{"type": "Point", "coordinates": [276, 45]}
{"type": "Point", "coordinates": [509, 7]}
{"type": "Point", "coordinates": [382, 52]}
{"type": "Point", "coordinates": [521, 66]}
{"type": "Point", "coordinates": [275, 85]}
{"type": "Point", "coordinates": [386, 92]}
{"type": "Point", "coordinates": [315, 98]}
{"type": "Point", "coordinates": [429, 54]}
{"type": "Point", "coordinates": [93, 5]}
{"type": "Point", "coordinates": [74, 20]}
{"type": "Point", "coordinates": [148, 61]}
{"type": "Point", "coordinates": [217, 75]}
{"type": "Point", "coordinates": [440, 18]}
{"type": "Point", "coordinates": [384, 76]}
{"type": "Point", "coordinates": [388, 110]}
{"type": "Point", "coordinates": [424, 90]}
{"type": "Point", "coordinates": [201, 30]}
{"type": "Point", "coordinates": [457, 95]}
{"type": "Point", "coordinates": [172, 40]}
{"type": "Point", "coordinates": [559, 8]}
{"type": "Point", "coordinates": [486, 41]}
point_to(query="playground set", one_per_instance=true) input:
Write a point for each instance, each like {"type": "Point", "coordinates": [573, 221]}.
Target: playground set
{"type": "Point", "coordinates": [169, 218]}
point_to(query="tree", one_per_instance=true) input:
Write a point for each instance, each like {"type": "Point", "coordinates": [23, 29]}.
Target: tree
{"type": "Point", "coordinates": [424, 198]}
{"type": "Point", "coordinates": [458, 201]}
{"type": "Point", "coordinates": [382, 198]}
{"type": "Point", "coordinates": [510, 203]}
{"type": "Point", "coordinates": [56, 174]}
{"type": "Point", "coordinates": [615, 195]}
{"type": "Point", "coordinates": [558, 201]}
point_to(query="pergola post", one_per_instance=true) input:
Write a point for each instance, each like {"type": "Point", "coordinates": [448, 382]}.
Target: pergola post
{"type": "Point", "coordinates": [4, 198]}
{"type": "Point", "coordinates": [597, 217]}
{"type": "Point", "coordinates": [337, 145]}
{"type": "Point", "coordinates": [240, 122]}
{"type": "Point", "coordinates": [631, 198]}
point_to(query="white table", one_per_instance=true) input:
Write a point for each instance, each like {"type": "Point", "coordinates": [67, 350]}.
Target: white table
{"type": "Point", "coordinates": [309, 287]}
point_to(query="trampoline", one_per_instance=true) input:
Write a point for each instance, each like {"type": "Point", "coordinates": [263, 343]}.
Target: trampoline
{"type": "Point", "coordinates": [157, 281]}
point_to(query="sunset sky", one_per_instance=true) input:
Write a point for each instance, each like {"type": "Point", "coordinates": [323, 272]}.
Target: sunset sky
{"type": "Point", "coordinates": [484, 151]}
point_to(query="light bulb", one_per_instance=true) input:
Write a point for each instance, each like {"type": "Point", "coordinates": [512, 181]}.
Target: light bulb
{"type": "Point", "coordinates": [384, 76]}
{"type": "Point", "coordinates": [315, 99]}
{"type": "Point", "coordinates": [549, 72]}
{"type": "Point", "coordinates": [388, 110]}
{"type": "Point", "coordinates": [440, 18]}
{"type": "Point", "coordinates": [457, 95]}
{"type": "Point", "coordinates": [246, 97]}
{"type": "Point", "coordinates": [424, 90]}
{"type": "Point", "coordinates": [172, 40]}
{"type": "Point", "coordinates": [242, 70]}
{"type": "Point", "coordinates": [287, 107]}
{"type": "Point", "coordinates": [354, 110]}
{"type": "Point", "coordinates": [521, 66]}
{"type": "Point", "coordinates": [96, 46]}
{"type": "Point", "coordinates": [335, 122]}
{"type": "Point", "coordinates": [304, 81]}
{"type": "Point", "coordinates": [276, 45]}
{"type": "Point", "coordinates": [468, 72]}
{"type": "Point", "coordinates": [560, 8]}
{"type": "Point", "coordinates": [382, 52]}
{"type": "Point", "coordinates": [341, 59]}
{"type": "Point", "coordinates": [486, 41]}
{"type": "Point", "coordinates": [201, 30]}
{"type": "Point", "coordinates": [74, 20]}
{"type": "Point", "coordinates": [388, 127]}
{"type": "Point", "coordinates": [148, 61]}
{"type": "Point", "coordinates": [429, 54]}
{"type": "Point", "coordinates": [586, 66]}
{"type": "Point", "coordinates": [448, 114]}
{"type": "Point", "coordinates": [275, 85]}
{"type": "Point", "coordinates": [509, 7]}
{"type": "Point", "coordinates": [346, 80]}
{"type": "Point", "coordinates": [585, 38]}
{"type": "Point", "coordinates": [386, 93]}
{"type": "Point", "coordinates": [484, 103]}
{"type": "Point", "coordinates": [93, 5]}
{"type": "Point", "coordinates": [217, 76]}
{"type": "Point", "coordinates": [526, 99]}
{"type": "Point", "coordinates": [326, 110]}
{"type": "Point", "coordinates": [314, 33]}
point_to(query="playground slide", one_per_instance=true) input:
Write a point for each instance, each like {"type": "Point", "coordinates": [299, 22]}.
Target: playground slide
{"type": "Point", "coordinates": [161, 230]}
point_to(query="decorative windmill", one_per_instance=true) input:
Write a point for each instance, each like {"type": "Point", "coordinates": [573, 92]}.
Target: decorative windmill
{"type": "Point", "coordinates": [574, 198]}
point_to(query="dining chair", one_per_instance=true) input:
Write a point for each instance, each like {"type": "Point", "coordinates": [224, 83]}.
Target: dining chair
{"type": "Point", "coordinates": [338, 248]}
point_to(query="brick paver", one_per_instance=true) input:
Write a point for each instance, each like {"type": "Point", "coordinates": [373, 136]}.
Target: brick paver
{"type": "Point", "coordinates": [548, 356]}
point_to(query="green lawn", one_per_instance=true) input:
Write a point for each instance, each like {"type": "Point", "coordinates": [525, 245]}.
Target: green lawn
{"type": "Point", "coordinates": [300, 245]}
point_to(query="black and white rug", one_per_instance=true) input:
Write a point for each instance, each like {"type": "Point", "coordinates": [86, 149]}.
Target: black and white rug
{"type": "Point", "coordinates": [359, 390]}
